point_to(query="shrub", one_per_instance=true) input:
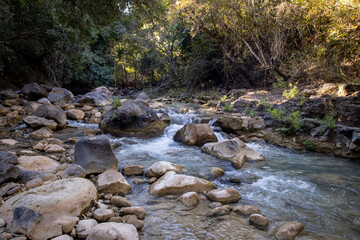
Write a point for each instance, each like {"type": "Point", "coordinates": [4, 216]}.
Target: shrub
{"type": "Point", "coordinates": [116, 103]}
{"type": "Point", "coordinates": [280, 83]}
{"type": "Point", "coordinates": [291, 93]}
{"type": "Point", "coordinates": [227, 107]}
{"type": "Point", "coordinates": [309, 144]}
{"type": "Point", "coordinates": [329, 120]}
{"type": "Point", "coordinates": [276, 114]}
{"type": "Point", "coordinates": [253, 113]}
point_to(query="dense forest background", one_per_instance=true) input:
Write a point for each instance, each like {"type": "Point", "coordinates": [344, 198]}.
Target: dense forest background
{"type": "Point", "coordinates": [183, 44]}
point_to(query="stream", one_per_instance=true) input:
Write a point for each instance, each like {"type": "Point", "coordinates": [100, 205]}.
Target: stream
{"type": "Point", "coordinates": [320, 191]}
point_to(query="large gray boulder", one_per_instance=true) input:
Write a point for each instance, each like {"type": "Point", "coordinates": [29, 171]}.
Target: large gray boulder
{"type": "Point", "coordinates": [51, 112]}
{"type": "Point", "coordinates": [195, 134]}
{"type": "Point", "coordinates": [142, 96]}
{"type": "Point", "coordinates": [133, 118]}
{"type": "Point", "coordinates": [99, 97]}
{"type": "Point", "coordinates": [8, 172]}
{"type": "Point", "coordinates": [172, 183]}
{"type": "Point", "coordinates": [39, 212]}
{"type": "Point", "coordinates": [233, 150]}
{"type": "Point", "coordinates": [95, 154]}
{"type": "Point", "coordinates": [113, 231]}
{"type": "Point", "coordinates": [60, 96]}
{"type": "Point", "coordinates": [34, 91]}
{"type": "Point", "coordinates": [38, 122]}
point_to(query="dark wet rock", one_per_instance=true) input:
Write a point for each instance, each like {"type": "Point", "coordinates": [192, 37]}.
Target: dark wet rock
{"type": "Point", "coordinates": [133, 118]}
{"type": "Point", "coordinates": [246, 210]}
{"type": "Point", "coordinates": [8, 172]}
{"type": "Point", "coordinates": [60, 96]}
{"type": "Point", "coordinates": [8, 157]}
{"type": "Point", "coordinates": [38, 122]}
{"type": "Point", "coordinates": [25, 219]}
{"type": "Point", "coordinates": [95, 155]}
{"type": "Point", "coordinates": [242, 104]}
{"type": "Point", "coordinates": [51, 112]}
{"type": "Point", "coordinates": [99, 97]}
{"type": "Point", "coordinates": [195, 134]}
{"type": "Point", "coordinates": [233, 150]}
{"type": "Point", "coordinates": [73, 170]}
{"type": "Point", "coordinates": [259, 221]}
{"type": "Point", "coordinates": [172, 183]}
{"type": "Point", "coordinates": [289, 231]}
{"type": "Point", "coordinates": [34, 91]}
{"type": "Point", "coordinates": [225, 195]}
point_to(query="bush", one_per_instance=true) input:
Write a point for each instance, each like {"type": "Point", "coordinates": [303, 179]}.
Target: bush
{"type": "Point", "coordinates": [280, 83]}
{"type": "Point", "coordinates": [291, 93]}
{"type": "Point", "coordinates": [309, 145]}
{"type": "Point", "coordinates": [277, 114]}
{"type": "Point", "coordinates": [329, 120]}
{"type": "Point", "coordinates": [116, 103]}
{"type": "Point", "coordinates": [227, 107]}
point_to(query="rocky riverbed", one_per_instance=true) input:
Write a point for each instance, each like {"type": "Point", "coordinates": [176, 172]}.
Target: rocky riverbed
{"type": "Point", "coordinates": [162, 172]}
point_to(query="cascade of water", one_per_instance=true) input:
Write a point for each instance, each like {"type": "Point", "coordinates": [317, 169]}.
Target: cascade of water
{"type": "Point", "coordinates": [217, 131]}
{"type": "Point", "coordinates": [78, 124]}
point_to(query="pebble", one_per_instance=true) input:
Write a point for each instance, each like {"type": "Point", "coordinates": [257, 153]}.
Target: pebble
{"type": "Point", "coordinates": [259, 221]}
{"type": "Point", "coordinates": [36, 182]}
{"type": "Point", "coordinates": [137, 211]}
{"type": "Point", "coordinates": [2, 223]}
{"type": "Point", "coordinates": [120, 201]}
{"type": "Point", "coordinates": [132, 219]}
{"type": "Point", "coordinates": [84, 227]}
{"type": "Point", "coordinates": [103, 215]}
{"type": "Point", "coordinates": [152, 180]}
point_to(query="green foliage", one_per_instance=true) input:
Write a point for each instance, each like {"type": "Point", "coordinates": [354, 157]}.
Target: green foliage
{"type": "Point", "coordinates": [277, 114]}
{"type": "Point", "coordinates": [302, 100]}
{"type": "Point", "coordinates": [292, 92]}
{"type": "Point", "coordinates": [116, 103]}
{"type": "Point", "coordinates": [294, 121]}
{"type": "Point", "coordinates": [227, 107]}
{"type": "Point", "coordinates": [253, 113]}
{"type": "Point", "coordinates": [329, 120]}
{"type": "Point", "coordinates": [224, 98]}
{"type": "Point", "coordinates": [309, 145]}
{"type": "Point", "coordinates": [280, 83]}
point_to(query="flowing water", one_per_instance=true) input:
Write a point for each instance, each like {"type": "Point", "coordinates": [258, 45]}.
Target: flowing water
{"type": "Point", "coordinates": [321, 191]}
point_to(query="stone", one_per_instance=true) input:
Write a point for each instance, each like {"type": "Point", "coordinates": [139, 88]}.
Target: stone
{"type": "Point", "coordinates": [24, 219]}
{"type": "Point", "coordinates": [99, 97]}
{"type": "Point", "coordinates": [217, 172]}
{"type": "Point", "coordinates": [172, 183]}
{"type": "Point", "coordinates": [119, 201]}
{"type": "Point", "coordinates": [142, 96]}
{"type": "Point", "coordinates": [246, 210]}
{"type": "Point", "coordinates": [113, 231]}
{"type": "Point", "coordinates": [33, 183]}
{"type": "Point", "coordinates": [132, 119]}
{"type": "Point", "coordinates": [215, 205]}
{"type": "Point", "coordinates": [95, 154]}
{"type": "Point", "coordinates": [8, 172]}
{"type": "Point", "coordinates": [165, 118]}
{"type": "Point", "coordinates": [34, 91]}
{"type": "Point", "coordinates": [327, 88]}
{"type": "Point", "coordinates": [102, 215]}
{"type": "Point", "coordinates": [114, 182]}
{"type": "Point", "coordinates": [2, 223]}
{"type": "Point", "coordinates": [132, 219]}
{"type": "Point", "coordinates": [195, 134]}
{"type": "Point", "coordinates": [9, 142]}
{"type": "Point", "coordinates": [225, 195]}
{"type": "Point", "coordinates": [190, 199]}
{"type": "Point", "coordinates": [157, 105]}
{"type": "Point", "coordinates": [84, 227]}
{"type": "Point", "coordinates": [259, 221]}
{"type": "Point", "coordinates": [67, 197]}
{"type": "Point", "coordinates": [220, 211]}
{"type": "Point", "coordinates": [38, 122]}
{"type": "Point", "coordinates": [116, 219]}
{"type": "Point", "coordinates": [133, 170]}
{"type": "Point", "coordinates": [27, 153]}
{"type": "Point", "coordinates": [73, 170]}
{"type": "Point", "coordinates": [54, 148]}
{"type": "Point", "coordinates": [60, 96]}
{"type": "Point", "coordinates": [63, 237]}
{"type": "Point", "coordinates": [30, 107]}
{"type": "Point", "coordinates": [26, 175]}
{"type": "Point", "coordinates": [8, 157]}
{"type": "Point", "coordinates": [67, 223]}
{"type": "Point", "coordinates": [37, 163]}
{"type": "Point", "coordinates": [8, 94]}
{"type": "Point", "coordinates": [44, 101]}
{"type": "Point", "coordinates": [158, 169]}
{"type": "Point", "coordinates": [289, 231]}
{"type": "Point", "coordinates": [53, 113]}
{"type": "Point", "coordinates": [75, 114]}
{"type": "Point", "coordinates": [41, 134]}
{"type": "Point", "coordinates": [239, 124]}
{"type": "Point", "coordinates": [233, 150]}
{"type": "Point", "coordinates": [137, 211]}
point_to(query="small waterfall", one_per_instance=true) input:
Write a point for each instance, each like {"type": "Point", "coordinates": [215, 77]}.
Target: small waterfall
{"type": "Point", "coordinates": [217, 131]}
{"type": "Point", "coordinates": [183, 118]}
{"type": "Point", "coordinates": [78, 124]}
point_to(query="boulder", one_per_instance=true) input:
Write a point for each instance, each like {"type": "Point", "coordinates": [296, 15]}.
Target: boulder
{"type": "Point", "coordinates": [239, 124]}
{"type": "Point", "coordinates": [54, 148]}
{"type": "Point", "coordinates": [289, 231]}
{"type": "Point", "coordinates": [113, 231]}
{"type": "Point", "coordinates": [60, 96]}
{"type": "Point", "coordinates": [99, 97]}
{"type": "Point", "coordinates": [41, 134]}
{"type": "Point", "coordinates": [158, 169]}
{"type": "Point", "coordinates": [75, 114]}
{"type": "Point", "coordinates": [112, 181]}
{"type": "Point", "coordinates": [246, 210]}
{"type": "Point", "coordinates": [8, 172]}
{"type": "Point", "coordinates": [120, 201]}
{"type": "Point", "coordinates": [38, 122]}
{"type": "Point", "coordinates": [34, 91]}
{"type": "Point", "coordinates": [30, 107]}
{"type": "Point", "coordinates": [137, 211]}
{"type": "Point", "coordinates": [103, 215]}
{"type": "Point", "coordinates": [172, 183]}
{"type": "Point", "coordinates": [225, 195]}
{"type": "Point", "coordinates": [37, 163]}
{"type": "Point", "coordinates": [132, 119]}
{"type": "Point", "coordinates": [259, 221]}
{"type": "Point", "coordinates": [53, 113]}
{"type": "Point", "coordinates": [8, 157]}
{"type": "Point", "coordinates": [233, 150]}
{"type": "Point", "coordinates": [95, 154]}
{"type": "Point", "coordinates": [84, 227]}
{"type": "Point", "coordinates": [8, 142]}
{"type": "Point", "coordinates": [39, 209]}
{"type": "Point", "coordinates": [195, 134]}
{"type": "Point", "coordinates": [143, 97]}
{"type": "Point", "coordinates": [133, 170]}
{"type": "Point", "coordinates": [220, 211]}
{"type": "Point", "coordinates": [25, 176]}
{"type": "Point", "coordinates": [132, 219]}
{"type": "Point", "coordinates": [190, 199]}
{"type": "Point", "coordinates": [33, 183]}
{"type": "Point", "coordinates": [44, 101]}
{"type": "Point", "coordinates": [73, 170]}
